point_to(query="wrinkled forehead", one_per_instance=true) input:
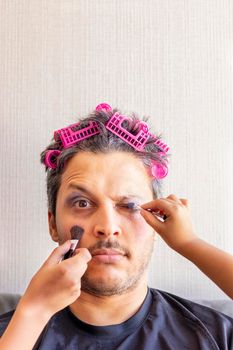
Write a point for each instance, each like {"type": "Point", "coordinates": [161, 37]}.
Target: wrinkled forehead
{"type": "Point", "coordinates": [113, 173]}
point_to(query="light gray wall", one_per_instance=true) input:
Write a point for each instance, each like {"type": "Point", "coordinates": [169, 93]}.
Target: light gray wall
{"type": "Point", "coordinates": [171, 60]}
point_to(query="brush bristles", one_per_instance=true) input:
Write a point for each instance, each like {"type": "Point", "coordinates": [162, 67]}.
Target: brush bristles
{"type": "Point", "coordinates": [76, 232]}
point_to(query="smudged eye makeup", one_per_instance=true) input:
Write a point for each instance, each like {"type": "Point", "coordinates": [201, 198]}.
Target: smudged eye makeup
{"type": "Point", "coordinates": [132, 206]}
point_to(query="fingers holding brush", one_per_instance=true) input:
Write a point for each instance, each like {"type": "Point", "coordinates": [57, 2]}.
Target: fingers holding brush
{"type": "Point", "coordinates": [58, 282]}
{"type": "Point", "coordinates": [171, 219]}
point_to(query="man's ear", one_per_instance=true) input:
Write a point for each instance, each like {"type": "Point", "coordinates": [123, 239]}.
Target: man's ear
{"type": "Point", "coordinates": [52, 227]}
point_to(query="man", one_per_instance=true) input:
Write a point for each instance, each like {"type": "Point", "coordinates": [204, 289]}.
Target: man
{"type": "Point", "coordinates": [104, 176]}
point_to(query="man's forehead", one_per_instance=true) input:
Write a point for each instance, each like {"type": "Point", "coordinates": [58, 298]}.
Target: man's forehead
{"type": "Point", "coordinates": [117, 173]}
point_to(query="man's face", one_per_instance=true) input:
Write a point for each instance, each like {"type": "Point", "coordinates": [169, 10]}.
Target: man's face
{"type": "Point", "coordinates": [95, 193]}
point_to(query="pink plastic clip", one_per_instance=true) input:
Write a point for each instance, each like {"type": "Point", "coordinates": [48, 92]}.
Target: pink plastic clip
{"type": "Point", "coordinates": [103, 106]}
{"type": "Point", "coordinates": [51, 158]}
{"type": "Point", "coordinates": [162, 145]}
{"type": "Point", "coordinates": [70, 137]}
{"type": "Point", "coordinates": [136, 141]}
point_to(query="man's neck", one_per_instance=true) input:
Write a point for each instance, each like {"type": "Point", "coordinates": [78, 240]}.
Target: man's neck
{"type": "Point", "coordinates": [108, 310]}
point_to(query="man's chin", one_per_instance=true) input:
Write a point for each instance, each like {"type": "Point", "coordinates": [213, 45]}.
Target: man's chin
{"type": "Point", "coordinates": [103, 290]}
{"type": "Point", "coordinates": [108, 286]}
{"type": "Point", "coordinates": [105, 272]}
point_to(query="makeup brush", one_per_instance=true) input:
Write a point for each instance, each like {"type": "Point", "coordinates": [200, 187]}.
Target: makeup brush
{"type": "Point", "coordinates": [161, 217]}
{"type": "Point", "coordinates": [76, 234]}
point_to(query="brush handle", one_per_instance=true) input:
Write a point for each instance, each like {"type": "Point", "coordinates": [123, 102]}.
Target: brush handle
{"type": "Point", "coordinates": [74, 243]}
{"type": "Point", "coordinates": [159, 216]}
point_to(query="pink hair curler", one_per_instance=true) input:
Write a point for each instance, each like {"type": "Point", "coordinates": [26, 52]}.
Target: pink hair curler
{"type": "Point", "coordinates": [138, 141]}
{"type": "Point", "coordinates": [51, 158]}
{"type": "Point", "coordinates": [162, 145]}
{"type": "Point", "coordinates": [69, 137]}
{"type": "Point", "coordinates": [158, 170]}
{"type": "Point", "coordinates": [103, 106]}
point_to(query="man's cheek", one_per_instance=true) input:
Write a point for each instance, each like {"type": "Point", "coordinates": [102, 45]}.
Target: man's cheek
{"type": "Point", "coordinates": [143, 231]}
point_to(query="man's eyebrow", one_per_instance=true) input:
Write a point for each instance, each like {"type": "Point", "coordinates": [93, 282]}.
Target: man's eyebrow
{"type": "Point", "coordinates": [80, 188]}
{"type": "Point", "coordinates": [130, 196]}
{"type": "Point", "coordinates": [89, 193]}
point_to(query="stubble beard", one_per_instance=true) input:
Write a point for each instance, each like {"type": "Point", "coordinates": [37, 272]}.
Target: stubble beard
{"type": "Point", "coordinates": [119, 286]}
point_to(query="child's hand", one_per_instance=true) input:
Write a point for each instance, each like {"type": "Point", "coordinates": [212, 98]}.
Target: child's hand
{"type": "Point", "coordinates": [177, 229]}
{"type": "Point", "coordinates": [57, 283]}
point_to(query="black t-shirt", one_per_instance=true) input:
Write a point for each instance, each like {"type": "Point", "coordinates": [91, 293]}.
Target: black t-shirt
{"type": "Point", "coordinates": [164, 322]}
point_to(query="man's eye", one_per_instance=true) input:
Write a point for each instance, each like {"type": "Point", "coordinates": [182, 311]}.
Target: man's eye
{"type": "Point", "coordinates": [130, 206]}
{"type": "Point", "coordinates": [82, 203]}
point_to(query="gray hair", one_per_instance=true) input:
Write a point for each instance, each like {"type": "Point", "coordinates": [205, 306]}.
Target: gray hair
{"type": "Point", "coordinates": [104, 142]}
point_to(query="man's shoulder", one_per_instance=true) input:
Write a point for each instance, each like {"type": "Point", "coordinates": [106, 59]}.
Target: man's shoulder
{"type": "Point", "coordinates": [4, 321]}
{"type": "Point", "coordinates": [215, 321]}
{"type": "Point", "coordinates": [180, 302]}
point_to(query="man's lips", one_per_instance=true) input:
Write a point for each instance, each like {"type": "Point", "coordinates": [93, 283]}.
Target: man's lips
{"type": "Point", "coordinates": [107, 255]}
{"type": "Point", "coordinates": [107, 252]}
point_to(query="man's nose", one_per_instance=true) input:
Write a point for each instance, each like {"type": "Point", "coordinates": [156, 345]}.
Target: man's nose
{"type": "Point", "coordinates": [107, 222]}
